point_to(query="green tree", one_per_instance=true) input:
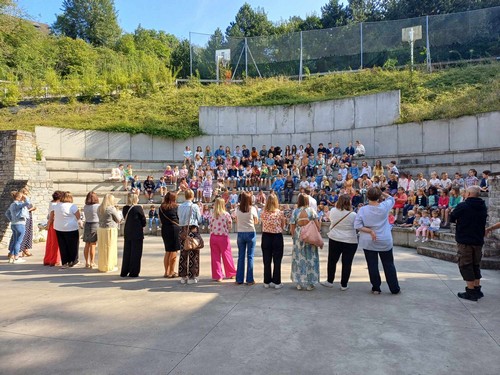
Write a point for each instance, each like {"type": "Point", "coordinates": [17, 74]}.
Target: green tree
{"type": "Point", "coordinates": [94, 21]}
{"type": "Point", "coordinates": [250, 22]}
{"type": "Point", "coordinates": [334, 14]}
{"type": "Point", "coordinates": [366, 10]}
{"type": "Point", "coordinates": [180, 58]}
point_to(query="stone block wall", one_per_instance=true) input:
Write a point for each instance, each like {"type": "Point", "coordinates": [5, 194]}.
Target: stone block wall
{"type": "Point", "coordinates": [494, 203]}
{"type": "Point", "coordinates": [19, 168]}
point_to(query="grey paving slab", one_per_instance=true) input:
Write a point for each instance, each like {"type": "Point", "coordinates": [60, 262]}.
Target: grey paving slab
{"type": "Point", "coordinates": [82, 321]}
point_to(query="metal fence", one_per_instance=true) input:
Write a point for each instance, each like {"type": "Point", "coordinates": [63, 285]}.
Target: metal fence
{"type": "Point", "coordinates": [444, 39]}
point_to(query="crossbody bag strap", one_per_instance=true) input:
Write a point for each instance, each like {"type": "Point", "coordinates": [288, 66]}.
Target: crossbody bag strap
{"type": "Point", "coordinates": [126, 216]}
{"type": "Point", "coordinates": [166, 217]}
{"type": "Point", "coordinates": [338, 222]}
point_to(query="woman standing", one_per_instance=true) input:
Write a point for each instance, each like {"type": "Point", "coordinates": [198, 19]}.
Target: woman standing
{"type": "Point", "coordinates": [66, 222]}
{"type": "Point", "coordinates": [342, 241]}
{"type": "Point", "coordinates": [220, 243]}
{"type": "Point", "coordinates": [52, 256]}
{"type": "Point", "coordinates": [376, 238]}
{"type": "Point", "coordinates": [107, 234]}
{"type": "Point", "coordinates": [273, 223]}
{"type": "Point", "coordinates": [133, 234]}
{"type": "Point", "coordinates": [17, 214]}
{"type": "Point", "coordinates": [170, 232]}
{"type": "Point", "coordinates": [189, 260]}
{"type": "Point", "coordinates": [305, 257]}
{"type": "Point", "coordinates": [90, 228]}
{"type": "Point", "coordinates": [27, 243]}
{"type": "Point", "coordinates": [246, 218]}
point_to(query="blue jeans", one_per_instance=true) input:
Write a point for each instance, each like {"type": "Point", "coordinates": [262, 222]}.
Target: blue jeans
{"type": "Point", "coordinates": [246, 245]}
{"type": "Point", "coordinates": [391, 276]}
{"type": "Point", "coordinates": [155, 219]}
{"type": "Point", "coordinates": [17, 238]}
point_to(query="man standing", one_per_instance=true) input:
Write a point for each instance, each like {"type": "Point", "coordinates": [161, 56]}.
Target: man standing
{"type": "Point", "coordinates": [470, 217]}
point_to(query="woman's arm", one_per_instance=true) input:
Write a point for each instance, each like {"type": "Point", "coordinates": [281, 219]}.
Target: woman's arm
{"type": "Point", "coordinates": [492, 228]}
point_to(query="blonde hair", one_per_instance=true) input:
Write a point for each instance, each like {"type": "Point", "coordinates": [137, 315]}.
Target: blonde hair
{"type": "Point", "coordinates": [189, 194]}
{"type": "Point", "coordinates": [132, 199]}
{"type": "Point", "coordinates": [16, 195]}
{"type": "Point", "coordinates": [219, 207]}
{"type": "Point", "coordinates": [272, 203]}
{"type": "Point", "coordinates": [108, 201]}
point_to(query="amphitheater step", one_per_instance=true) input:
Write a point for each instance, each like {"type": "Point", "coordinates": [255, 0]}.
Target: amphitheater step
{"type": "Point", "coordinates": [89, 163]}
{"type": "Point", "coordinates": [488, 262]}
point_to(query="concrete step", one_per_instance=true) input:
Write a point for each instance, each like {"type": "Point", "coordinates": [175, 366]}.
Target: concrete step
{"type": "Point", "coordinates": [83, 175]}
{"type": "Point", "coordinates": [487, 262]}
{"type": "Point", "coordinates": [443, 245]}
{"type": "Point", "coordinates": [101, 186]}
{"type": "Point", "coordinates": [120, 197]}
{"type": "Point", "coordinates": [89, 163]}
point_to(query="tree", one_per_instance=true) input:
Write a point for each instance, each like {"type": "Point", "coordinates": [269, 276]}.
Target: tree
{"type": "Point", "coordinates": [94, 21]}
{"type": "Point", "coordinates": [250, 22]}
{"type": "Point", "coordinates": [333, 14]}
{"type": "Point", "coordinates": [366, 10]}
{"type": "Point", "coordinates": [180, 58]}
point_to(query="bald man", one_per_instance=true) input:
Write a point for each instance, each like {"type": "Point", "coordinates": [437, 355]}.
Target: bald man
{"type": "Point", "coordinates": [470, 217]}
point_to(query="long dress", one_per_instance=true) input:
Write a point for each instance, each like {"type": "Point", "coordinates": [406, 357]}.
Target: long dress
{"type": "Point", "coordinates": [107, 240]}
{"type": "Point", "coordinates": [52, 255]}
{"type": "Point", "coordinates": [305, 257]}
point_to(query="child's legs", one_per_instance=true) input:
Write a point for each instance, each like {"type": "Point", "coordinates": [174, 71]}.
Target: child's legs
{"type": "Point", "coordinates": [418, 232]}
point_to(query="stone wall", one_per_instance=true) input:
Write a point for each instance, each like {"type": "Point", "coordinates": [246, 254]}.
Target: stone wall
{"type": "Point", "coordinates": [494, 203]}
{"type": "Point", "coordinates": [19, 168]}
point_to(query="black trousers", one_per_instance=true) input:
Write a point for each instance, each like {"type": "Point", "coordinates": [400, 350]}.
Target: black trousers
{"type": "Point", "coordinates": [69, 242]}
{"type": "Point", "coordinates": [132, 254]}
{"type": "Point", "coordinates": [288, 195]}
{"type": "Point", "coordinates": [335, 250]}
{"type": "Point", "coordinates": [391, 276]}
{"type": "Point", "coordinates": [272, 253]}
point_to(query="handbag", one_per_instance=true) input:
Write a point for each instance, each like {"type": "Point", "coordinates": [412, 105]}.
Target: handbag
{"type": "Point", "coordinates": [310, 234]}
{"type": "Point", "coordinates": [190, 237]}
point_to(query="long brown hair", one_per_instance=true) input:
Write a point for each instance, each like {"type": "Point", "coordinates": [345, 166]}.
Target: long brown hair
{"type": "Point", "coordinates": [91, 198]}
{"type": "Point", "coordinates": [302, 201]}
{"type": "Point", "coordinates": [245, 201]}
{"type": "Point", "coordinates": [170, 201]}
{"type": "Point", "coordinates": [344, 203]}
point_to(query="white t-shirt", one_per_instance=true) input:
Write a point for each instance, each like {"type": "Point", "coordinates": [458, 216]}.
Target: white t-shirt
{"type": "Point", "coordinates": [313, 204]}
{"type": "Point", "coordinates": [343, 231]}
{"type": "Point", "coordinates": [64, 217]}
{"type": "Point", "coordinates": [245, 220]}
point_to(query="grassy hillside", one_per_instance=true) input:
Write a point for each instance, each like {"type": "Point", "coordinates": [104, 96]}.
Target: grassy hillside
{"type": "Point", "coordinates": [174, 112]}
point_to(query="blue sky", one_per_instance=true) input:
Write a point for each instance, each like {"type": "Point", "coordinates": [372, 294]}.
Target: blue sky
{"type": "Point", "coordinates": [181, 17]}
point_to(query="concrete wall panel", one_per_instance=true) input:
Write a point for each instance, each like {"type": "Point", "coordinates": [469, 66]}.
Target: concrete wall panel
{"type": "Point", "coordinates": [489, 129]}
{"type": "Point", "coordinates": [386, 140]}
{"type": "Point", "coordinates": [285, 119]}
{"type": "Point", "coordinates": [259, 140]}
{"type": "Point", "coordinates": [240, 140]}
{"type": "Point", "coordinates": [266, 119]}
{"type": "Point", "coordinates": [466, 157]}
{"type": "Point", "coordinates": [119, 146]}
{"type": "Point", "coordinates": [323, 116]}
{"type": "Point", "coordinates": [49, 140]}
{"type": "Point", "coordinates": [436, 136]}
{"type": "Point", "coordinates": [163, 148]}
{"type": "Point", "coordinates": [228, 120]}
{"type": "Point", "coordinates": [281, 140]}
{"type": "Point", "coordinates": [388, 107]}
{"type": "Point", "coordinates": [365, 111]}
{"type": "Point", "coordinates": [409, 138]}
{"type": "Point", "coordinates": [96, 144]}
{"type": "Point", "coordinates": [209, 120]}
{"type": "Point", "coordinates": [247, 120]}
{"type": "Point", "coordinates": [73, 143]}
{"type": "Point", "coordinates": [298, 139]}
{"type": "Point", "coordinates": [343, 114]}
{"type": "Point", "coordinates": [343, 137]}
{"type": "Point", "coordinates": [224, 140]}
{"type": "Point", "coordinates": [367, 138]}
{"type": "Point", "coordinates": [180, 147]}
{"type": "Point", "coordinates": [141, 147]}
{"type": "Point", "coordinates": [303, 118]}
{"type": "Point", "coordinates": [320, 137]}
{"type": "Point", "coordinates": [459, 127]}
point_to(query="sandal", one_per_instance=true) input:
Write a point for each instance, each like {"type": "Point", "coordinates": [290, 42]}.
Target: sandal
{"type": "Point", "coordinates": [174, 275]}
{"type": "Point", "coordinates": [27, 253]}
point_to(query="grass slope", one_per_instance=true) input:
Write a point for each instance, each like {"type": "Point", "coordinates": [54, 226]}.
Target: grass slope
{"type": "Point", "coordinates": [173, 112]}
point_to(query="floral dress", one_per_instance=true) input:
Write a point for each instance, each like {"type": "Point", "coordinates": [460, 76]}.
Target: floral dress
{"type": "Point", "coordinates": [305, 257]}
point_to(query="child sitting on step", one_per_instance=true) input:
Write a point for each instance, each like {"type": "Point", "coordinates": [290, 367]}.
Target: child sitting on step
{"type": "Point", "coordinates": [423, 226]}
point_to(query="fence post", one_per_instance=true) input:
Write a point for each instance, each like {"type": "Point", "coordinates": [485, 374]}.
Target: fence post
{"type": "Point", "coordinates": [301, 61]}
{"type": "Point", "coordinates": [190, 56]}
{"type": "Point", "coordinates": [361, 44]}
{"type": "Point", "coordinates": [246, 58]}
{"type": "Point", "coordinates": [428, 45]}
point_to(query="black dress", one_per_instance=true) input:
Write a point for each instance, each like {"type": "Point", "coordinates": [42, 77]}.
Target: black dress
{"type": "Point", "coordinates": [133, 234]}
{"type": "Point", "coordinates": [169, 230]}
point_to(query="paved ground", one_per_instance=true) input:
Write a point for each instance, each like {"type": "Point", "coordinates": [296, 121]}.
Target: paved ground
{"type": "Point", "coordinates": [81, 322]}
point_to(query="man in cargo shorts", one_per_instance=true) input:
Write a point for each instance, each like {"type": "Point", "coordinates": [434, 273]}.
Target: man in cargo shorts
{"type": "Point", "coordinates": [470, 217]}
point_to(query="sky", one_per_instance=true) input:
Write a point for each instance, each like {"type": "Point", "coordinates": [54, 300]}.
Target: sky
{"type": "Point", "coordinates": [181, 17]}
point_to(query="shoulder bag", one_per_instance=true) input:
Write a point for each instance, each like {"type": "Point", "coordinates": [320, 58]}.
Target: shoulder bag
{"type": "Point", "coordinates": [189, 236]}
{"type": "Point", "coordinates": [310, 234]}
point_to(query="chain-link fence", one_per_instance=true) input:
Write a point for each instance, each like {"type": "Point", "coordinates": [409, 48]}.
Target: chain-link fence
{"type": "Point", "coordinates": [442, 39]}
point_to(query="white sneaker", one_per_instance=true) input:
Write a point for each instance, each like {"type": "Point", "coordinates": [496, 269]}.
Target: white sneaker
{"type": "Point", "coordinates": [299, 287]}
{"type": "Point", "coordinates": [266, 286]}
{"type": "Point", "coordinates": [272, 285]}
{"type": "Point", "coordinates": [344, 287]}
{"type": "Point", "coordinates": [183, 280]}
{"type": "Point", "coordinates": [310, 287]}
{"type": "Point", "coordinates": [424, 239]}
{"type": "Point", "coordinates": [417, 239]}
{"type": "Point", "coordinates": [192, 281]}
{"type": "Point", "coordinates": [278, 286]}
{"type": "Point", "coordinates": [11, 260]}
{"type": "Point", "coordinates": [19, 260]}
{"type": "Point", "coordinates": [327, 284]}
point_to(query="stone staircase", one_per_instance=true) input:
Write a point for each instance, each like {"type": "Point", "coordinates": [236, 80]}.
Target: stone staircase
{"type": "Point", "coordinates": [444, 247]}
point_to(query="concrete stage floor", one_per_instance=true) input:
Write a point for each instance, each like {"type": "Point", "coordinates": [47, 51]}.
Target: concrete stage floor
{"type": "Point", "coordinates": [79, 321]}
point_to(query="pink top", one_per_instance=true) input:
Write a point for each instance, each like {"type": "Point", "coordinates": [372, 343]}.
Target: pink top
{"type": "Point", "coordinates": [222, 225]}
{"type": "Point", "coordinates": [271, 221]}
{"type": "Point", "coordinates": [443, 201]}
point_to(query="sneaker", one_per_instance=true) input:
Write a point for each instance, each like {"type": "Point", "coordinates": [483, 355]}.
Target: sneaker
{"type": "Point", "coordinates": [327, 284]}
{"type": "Point", "coordinates": [299, 287]}
{"type": "Point", "coordinates": [11, 260]}
{"type": "Point", "coordinates": [19, 260]}
{"type": "Point", "coordinates": [478, 291]}
{"type": "Point", "coordinates": [266, 286]}
{"type": "Point", "coordinates": [310, 287]}
{"type": "Point", "coordinates": [251, 283]}
{"type": "Point", "coordinates": [192, 281]}
{"type": "Point", "coordinates": [417, 239]}
{"type": "Point", "coordinates": [278, 286]}
{"type": "Point", "coordinates": [469, 294]}
{"type": "Point", "coordinates": [424, 239]}
{"type": "Point", "coordinates": [343, 288]}
{"type": "Point", "coordinates": [64, 266]}
{"type": "Point", "coordinates": [183, 280]}
{"type": "Point", "coordinates": [377, 292]}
